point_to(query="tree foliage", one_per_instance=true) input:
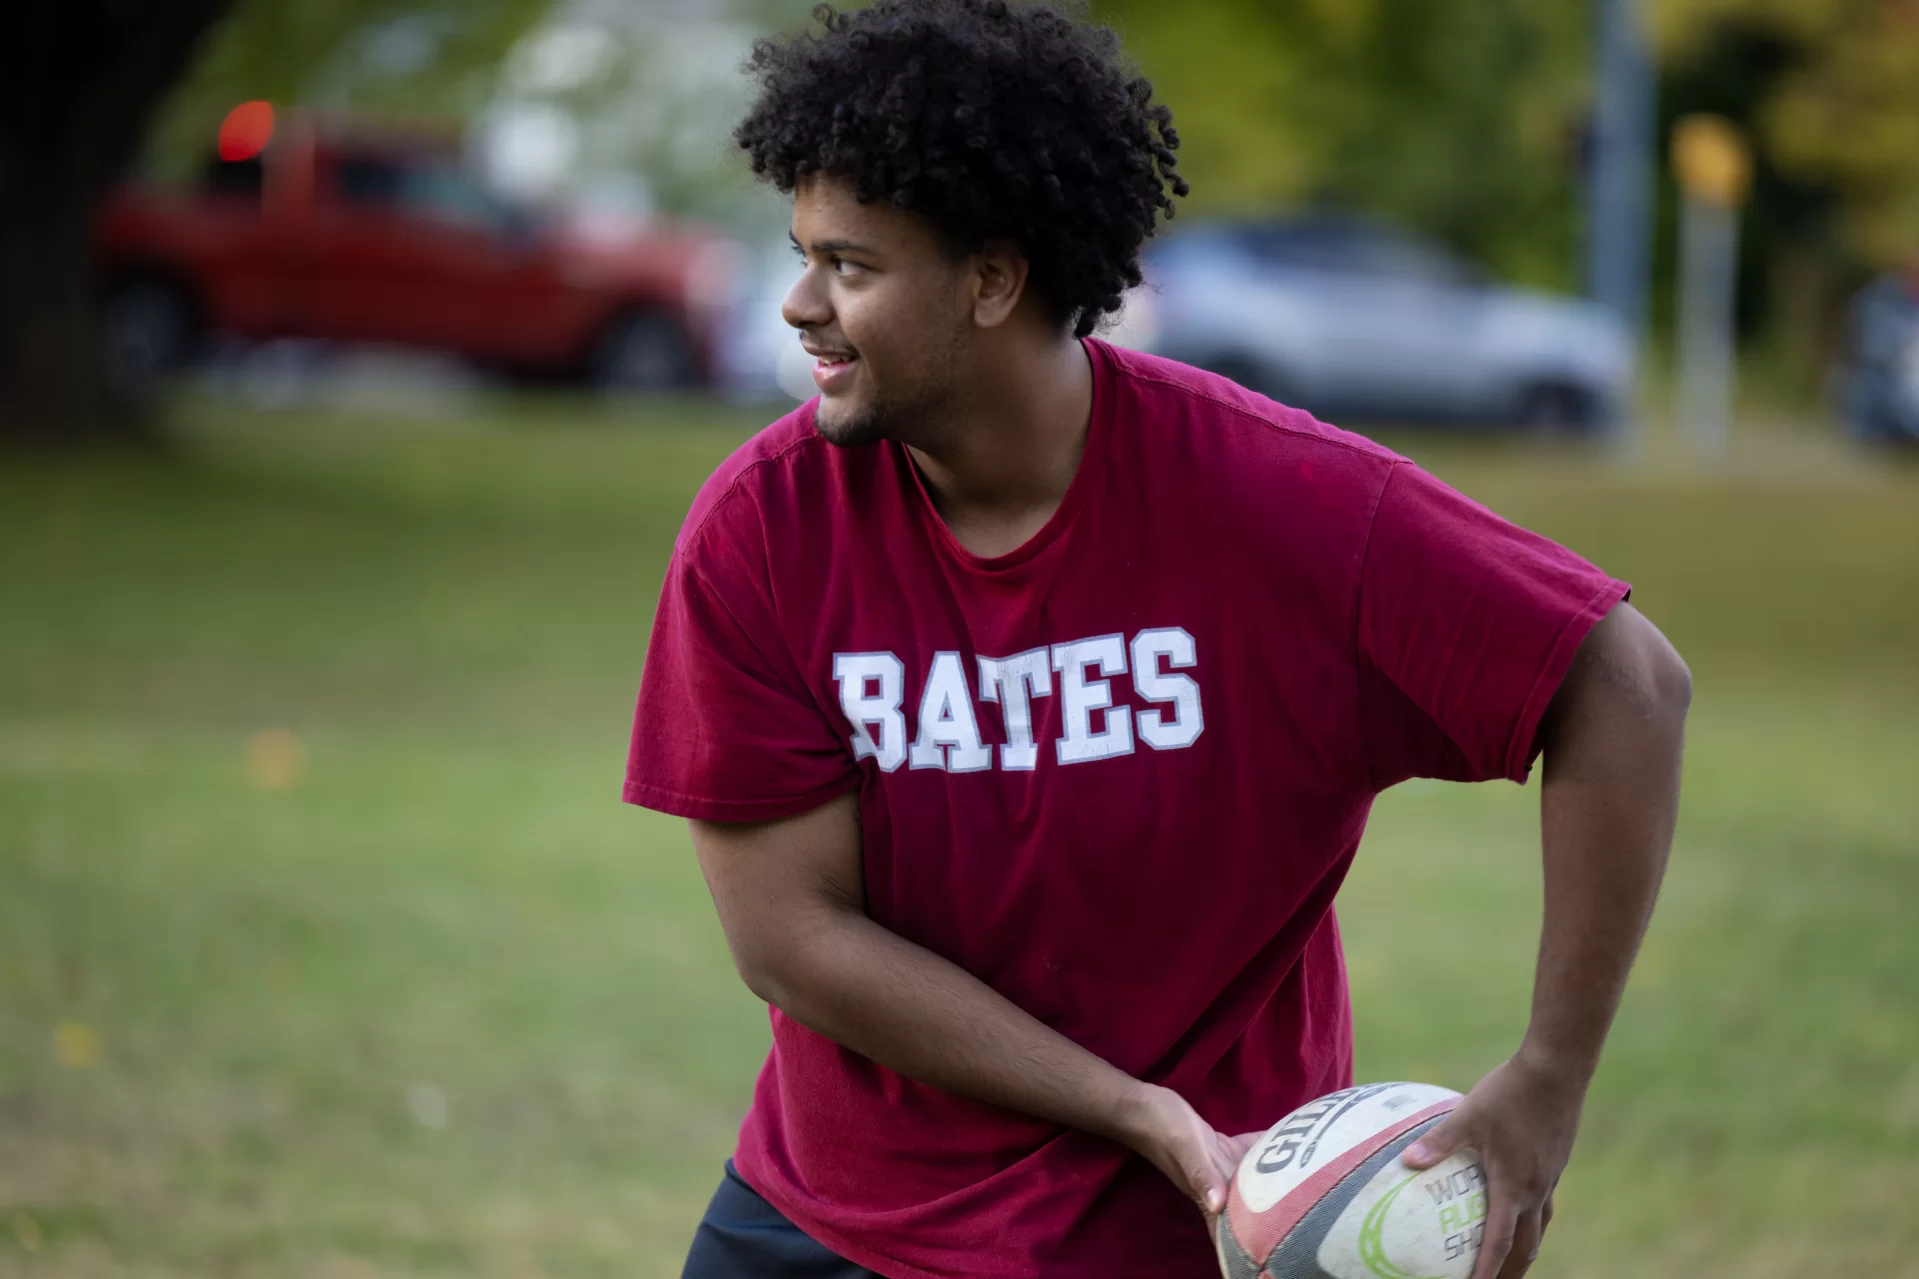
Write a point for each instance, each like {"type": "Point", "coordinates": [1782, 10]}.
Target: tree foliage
{"type": "Point", "coordinates": [1459, 118]}
{"type": "Point", "coordinates": [416, 59]}
{"type": "Point", "coordinates": [1466, 119]}
{"type": "Point", "coordinates": [1843, 110]}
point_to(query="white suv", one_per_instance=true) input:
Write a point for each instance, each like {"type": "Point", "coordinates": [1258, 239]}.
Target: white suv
{"type": "Point", "coordinates": [1349, 320]}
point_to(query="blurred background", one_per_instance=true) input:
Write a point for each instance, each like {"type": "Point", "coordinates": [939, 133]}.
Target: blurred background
{"type": "Point", "coordinates": [359, 359]}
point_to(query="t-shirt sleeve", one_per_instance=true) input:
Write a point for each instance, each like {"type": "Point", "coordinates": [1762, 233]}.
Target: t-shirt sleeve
{"type": "Point", "coordinates": [1467, 625]}
{"type": "Point", "coordinates": [725, 729]}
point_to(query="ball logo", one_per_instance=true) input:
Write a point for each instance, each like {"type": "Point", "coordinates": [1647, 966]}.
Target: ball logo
{"type": "Point", "coordinates": [1417, 1219]}
{"type": "Point", "coordinates": [1324, 1194]}
{"type": "Point", "coordinates": [1298, 1134]}
{"type": "Point", "coordinates": [1372, 1244]}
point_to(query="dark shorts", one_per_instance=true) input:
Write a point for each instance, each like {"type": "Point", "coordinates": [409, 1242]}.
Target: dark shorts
{"type": "Point", "coordinates": [744, 1237]}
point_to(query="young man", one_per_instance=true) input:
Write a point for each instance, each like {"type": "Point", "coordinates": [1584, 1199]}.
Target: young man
{"type": "Point", "coordinates": [1027, 698]}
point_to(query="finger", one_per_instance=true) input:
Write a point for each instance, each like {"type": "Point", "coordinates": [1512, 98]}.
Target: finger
{"type": "Point", "coordinates": [1525, 1246]}
{"type": "Point", "coordinates": [1437, 1142]}
{"type": "Point", "coordinates": [1236, 1147]}
{"type": "Point", "coordinates": [1546, 1210]}
{"type": "Point", "coordinates": [1502, 1219]}
{"type": "Point", "coordinates": [1205, 1182]}
{"type": "Point", "coordinates": [1216, 1183]}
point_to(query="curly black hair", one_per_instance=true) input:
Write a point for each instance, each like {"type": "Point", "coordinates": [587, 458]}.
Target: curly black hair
{"type": "Point", "coordinates": [990, 119]}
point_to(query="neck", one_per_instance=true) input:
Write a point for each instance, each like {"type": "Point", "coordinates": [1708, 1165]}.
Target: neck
{"type": "Point", "coordinates": [1000, 467]}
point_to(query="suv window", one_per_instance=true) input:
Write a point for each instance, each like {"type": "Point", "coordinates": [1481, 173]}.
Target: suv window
{"type": "Point", "coordinates": [432, 190]}
{"type": "Point", "coordinates": [1407, 260]}
{"type": "Point", "coordinates": [1354, 250]}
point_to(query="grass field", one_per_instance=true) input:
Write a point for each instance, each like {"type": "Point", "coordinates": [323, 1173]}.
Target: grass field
{"type": "Point", "coordinates": [327, 950]}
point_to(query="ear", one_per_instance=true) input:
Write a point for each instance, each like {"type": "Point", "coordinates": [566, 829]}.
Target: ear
{"type": "Point", "coordinates": [999, 281]}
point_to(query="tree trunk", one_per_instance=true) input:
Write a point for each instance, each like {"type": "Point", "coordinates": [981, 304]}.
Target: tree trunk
{"type": "Point", "coordinates": [79, 81]}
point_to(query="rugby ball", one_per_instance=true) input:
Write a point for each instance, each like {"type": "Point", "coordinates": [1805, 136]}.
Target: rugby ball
{"type": "Point", "coordinates": [1322, 1194]}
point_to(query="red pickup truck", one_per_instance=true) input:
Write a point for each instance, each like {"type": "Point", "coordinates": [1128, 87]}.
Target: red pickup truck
{"type": "Point", "coordinates": [354, 236]}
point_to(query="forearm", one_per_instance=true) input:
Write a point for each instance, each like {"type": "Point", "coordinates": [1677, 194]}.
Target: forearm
{"type": "Point", "coordinates": [865, 987]}
{"type": "Point", "coordinates": [1608, 807]}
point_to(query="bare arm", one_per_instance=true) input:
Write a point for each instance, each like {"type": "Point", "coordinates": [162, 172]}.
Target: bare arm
{"type": "Point", "coordinates": [790, 900]}
{"type": "Point", "coordinates": [1612, 742]}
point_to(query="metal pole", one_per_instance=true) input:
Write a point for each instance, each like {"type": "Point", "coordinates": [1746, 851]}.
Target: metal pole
{"type": "Point", "coordinates": [1708, 287]}
{"type": "Point", "coordinates": [1620, 185]}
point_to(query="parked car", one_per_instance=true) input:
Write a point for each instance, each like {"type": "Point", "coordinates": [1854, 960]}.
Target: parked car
{"type": "Point", "coordinates": [348, 235]}
{"type": "Point", "coordinates": [1881, 378]}
{"type": "Point", "coordinates": [1352, 320]}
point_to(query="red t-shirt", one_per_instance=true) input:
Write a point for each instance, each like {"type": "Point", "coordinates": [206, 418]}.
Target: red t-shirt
{"type": "Point", "coordinates": [1118, 774]}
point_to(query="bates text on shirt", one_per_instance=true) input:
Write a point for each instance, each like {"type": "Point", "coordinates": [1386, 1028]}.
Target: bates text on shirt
{"type": "Point", "coordinates": [1094, 719]}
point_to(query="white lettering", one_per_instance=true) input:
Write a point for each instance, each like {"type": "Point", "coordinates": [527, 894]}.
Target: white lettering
{"type": "Point", "coordinates": [1014, 682]}
{"type": "Point", "coordinates": [1155, 685]}
{"type": "Point", "coordinates": [948, 733]}
{"type": "Point", "coordinates": [869, 710]}
{"type": "Point", "coordinates": [1079, 697]}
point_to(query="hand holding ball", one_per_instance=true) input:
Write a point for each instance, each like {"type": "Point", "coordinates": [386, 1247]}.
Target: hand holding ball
{"type": "Point", "coordinates": [1323, 1195]}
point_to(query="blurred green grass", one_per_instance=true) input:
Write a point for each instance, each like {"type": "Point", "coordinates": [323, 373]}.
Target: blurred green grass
{"type": "Point", "coordinates": [441, 1005]}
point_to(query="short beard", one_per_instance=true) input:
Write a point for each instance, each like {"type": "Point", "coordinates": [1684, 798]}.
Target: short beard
{"type": "Point", "coordinates": [904, 421]}
{"type": "Point", "coordinates": [915, 420]}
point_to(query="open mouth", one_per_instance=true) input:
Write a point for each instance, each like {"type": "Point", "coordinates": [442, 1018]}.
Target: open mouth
{"type": "Point", "coordinates": [834, 370]}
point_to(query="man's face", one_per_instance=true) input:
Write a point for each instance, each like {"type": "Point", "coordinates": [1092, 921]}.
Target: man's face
{"type": "Point", "coordinates": [883, 308]}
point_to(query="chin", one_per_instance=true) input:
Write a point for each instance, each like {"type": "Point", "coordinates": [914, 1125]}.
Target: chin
{"type": "Point", "coordinates": [847, 426]}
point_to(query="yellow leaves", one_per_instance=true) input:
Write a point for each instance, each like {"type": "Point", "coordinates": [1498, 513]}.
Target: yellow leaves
{"type": "Point", "coordinates": [75, 1044]}
{"type": "Point", "coordinates": [1846, 116]}
{"type": "Point", "coordinates": [275, 759]}
{"type": "Point", "coordinates": [1850, 117]}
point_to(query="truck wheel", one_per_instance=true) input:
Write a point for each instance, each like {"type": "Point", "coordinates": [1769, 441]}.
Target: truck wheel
{"type": "Point", "coordinates": [643, 351]}
{"type": "Point", "coordinates": [150, 330]}
{"type": "Point", "coordinates": [1557, 406]}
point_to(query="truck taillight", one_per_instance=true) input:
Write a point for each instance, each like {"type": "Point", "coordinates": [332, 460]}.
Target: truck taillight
{"type": "Point", "coordinates": [246, 131]}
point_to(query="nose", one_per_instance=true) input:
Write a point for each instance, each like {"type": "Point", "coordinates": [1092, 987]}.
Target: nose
{"type": "Point", "coordinates": [806, 306]}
